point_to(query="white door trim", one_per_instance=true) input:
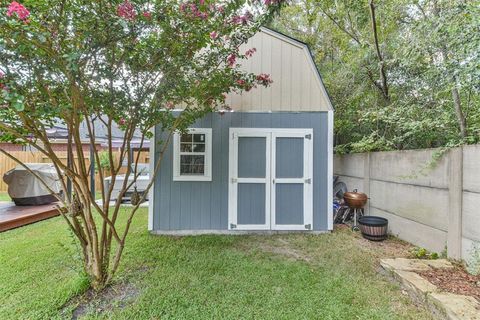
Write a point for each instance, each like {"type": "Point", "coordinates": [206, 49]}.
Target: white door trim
{"type": "Point", "coordinates": [270, 134]}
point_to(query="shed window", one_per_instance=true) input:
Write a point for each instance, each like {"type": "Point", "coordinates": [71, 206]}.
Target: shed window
{"type": "Point", "coordinates": [192, 158]}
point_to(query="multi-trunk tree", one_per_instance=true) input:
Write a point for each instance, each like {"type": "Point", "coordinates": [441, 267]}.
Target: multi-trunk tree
{"type": "Point", "coordinates": [124, 62]}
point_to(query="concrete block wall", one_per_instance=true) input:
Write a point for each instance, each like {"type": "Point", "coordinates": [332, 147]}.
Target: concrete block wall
{"type": "Point", "coordinates": [470, 200]}
{"type": "Point", "coordinates": [433, 207]}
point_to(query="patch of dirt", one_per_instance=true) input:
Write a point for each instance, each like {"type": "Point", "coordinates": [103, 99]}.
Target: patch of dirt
{"type": "Point", "coordinates": [279, 246]}
{"type": "Point", "coordinates": [390, 248]}
{"type": "Point", "coordinates": [455, 280]}
{"type": "Point", "coordinates": [285, 249]}
{"type": "Point", "coordinates": [112, 297]}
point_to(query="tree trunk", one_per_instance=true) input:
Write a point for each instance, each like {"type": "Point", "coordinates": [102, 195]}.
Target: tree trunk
{"type": "Point", "coordinates": [462, 122]}
{"type": "Point", "coordinates": [383, 86]}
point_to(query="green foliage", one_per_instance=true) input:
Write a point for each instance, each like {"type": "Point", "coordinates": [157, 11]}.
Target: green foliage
{"type": "Point", "coordinates": [430, 48]}
{"type": "Point", "coordinates": [129, 62]}
{"type": "Point", "coordinates": [473, 263]}
{"type": "Point", "coordinates": [104, 161]}
{"type": "Point", "coordinates": [72, 61]}
{"type": "Point", "coordinates": [422, 253]}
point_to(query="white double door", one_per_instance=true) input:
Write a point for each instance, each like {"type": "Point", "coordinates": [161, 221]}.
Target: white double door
{"type": "Point", "coordinates": [270, 179]}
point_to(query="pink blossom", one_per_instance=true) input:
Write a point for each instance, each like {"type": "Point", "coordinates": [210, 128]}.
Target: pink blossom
{"type": "Point", "coordinates": [202, 15]}
{"type": "Point", "coordinates": [213, 35]}
{"type": "Point", "coordinates": [242, 19]}
{"type": "Point", "coordinates": [183, 6]}
{"type": "Point", "coordinates": [241, 82]}
{"type": "Point", "coordinates": [2, 75]}
{"type": "Point", "coordinates": [221, 9]}
{"type": "Point", "coordinates": [264, 79]}
{"type": "Point", "coordinates": [231, 59]}
{"type": "Point", "coordinates": [202, 2]}
{"type": "Point", "coordinates": [170, 105]}
{"type": "Point", "coordinates": [249, 53]}
{"type": "Point", "coordinates": [126, 10]}
{"type": "Point", "coordinates": [239, 20]}
{"type": "Point", "coordinates": [122, 121]}
{"type": "Point", "coordinates": [147, 14]}
{"type": "Point", "coordinates": [19, 9]}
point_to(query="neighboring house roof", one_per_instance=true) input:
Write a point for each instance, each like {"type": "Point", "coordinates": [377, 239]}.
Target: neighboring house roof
{"type": "Point", "coordinates": [297, 84]}
{"type": "Point", "coordinates": [59, 132]}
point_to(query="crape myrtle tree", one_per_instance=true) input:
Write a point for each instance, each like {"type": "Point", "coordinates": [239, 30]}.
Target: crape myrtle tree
{"type": "Point", "coordinates": [128, 62]}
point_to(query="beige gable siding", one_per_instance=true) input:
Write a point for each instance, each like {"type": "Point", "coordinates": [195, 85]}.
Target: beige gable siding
{"type": "Point", "coordinates": [296, 84]}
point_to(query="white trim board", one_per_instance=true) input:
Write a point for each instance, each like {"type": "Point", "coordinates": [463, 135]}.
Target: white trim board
{"type": "Point", "coordinates": [151, 195]}
{"type": "Point", "coordinates": [330, 171]}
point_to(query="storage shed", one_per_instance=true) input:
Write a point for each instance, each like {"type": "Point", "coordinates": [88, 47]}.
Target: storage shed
{"type": "Point", "coordinates": [265, 166]}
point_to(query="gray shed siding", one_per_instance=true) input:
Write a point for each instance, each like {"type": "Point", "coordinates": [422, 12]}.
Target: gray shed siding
{"type": "Point", "coordinates": [199, 205]}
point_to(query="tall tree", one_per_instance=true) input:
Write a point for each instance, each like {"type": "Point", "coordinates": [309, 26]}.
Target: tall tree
{"type": "Point", "coordinates": [402, 73]}
{"type": "Point", "coordinates": [125, 62]}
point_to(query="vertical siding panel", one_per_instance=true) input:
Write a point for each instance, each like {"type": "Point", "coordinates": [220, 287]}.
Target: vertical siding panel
{"type": "Point", "coordinates": [175, 203]}
{"type": "Point", "coordinates": [229, 100]}
{"type": "Point", "coordinates": [221, 217]}
{"type": "Point", "coordinates": [276, 74]}
{"type": "Point", "coordinates": [320, 188]}
{"type": "Point", "coordinates": [286, 77]}
{"type": "Point", "coordinates": [314, 101]}
{"type": "Point", "coordinates": [256, 94]}
{"type": "Point", "coordinates": [247, 66]}
{"type": "Point", "coordinates": [266, 57]}
{"type": "Point", "coordinates": [164, 178]}
{"type": "Point", "coordinates": [305, 86]}
{"type": "Point", "coordinates": [217, 151]}
{"type": "Point", "coordinates": [296, 79]}
{"type": "Point", "coordinates": [185, 200]}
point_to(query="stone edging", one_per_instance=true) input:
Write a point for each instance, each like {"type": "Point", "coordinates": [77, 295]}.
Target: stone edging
{"type": "Point", "coordinates": [443, 305]}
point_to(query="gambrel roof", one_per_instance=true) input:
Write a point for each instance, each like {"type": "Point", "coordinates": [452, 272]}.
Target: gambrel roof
{"type": "Point", "coordinates": [297, 84]}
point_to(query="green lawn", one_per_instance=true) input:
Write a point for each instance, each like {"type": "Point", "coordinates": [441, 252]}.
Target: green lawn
{"type": "Point", "coordinates": [4, 197]}
{"type": "Point", "coordinates": [330, 276]}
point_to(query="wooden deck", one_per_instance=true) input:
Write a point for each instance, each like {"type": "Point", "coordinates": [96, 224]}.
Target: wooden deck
{"type": "Point", "coordinates": [12, 216]}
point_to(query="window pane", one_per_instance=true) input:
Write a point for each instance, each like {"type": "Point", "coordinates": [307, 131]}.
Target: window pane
{"type": "Point", "coordinates": [192, 164]}
{"type": "Point", "coordinates": [186, 137]}
{"type": "Point", "coordinates": [198, 138]}
{"type": "Point", "coordinates": [185, 147]}
{"type": "Point", "coordinates": [199, 147]}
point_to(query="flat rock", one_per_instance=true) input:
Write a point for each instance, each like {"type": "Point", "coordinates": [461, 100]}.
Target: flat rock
{"type": "Point", "coordinates": [415, 282]}
{"type": "Point", "coordinates": [439, 263]}
{"type": "Point", "coordinates": [414, 264]}
{"type": "Point", "coordinates": [456, 306]}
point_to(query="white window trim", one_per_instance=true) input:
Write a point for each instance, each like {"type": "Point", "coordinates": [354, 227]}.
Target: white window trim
{"type": "Point", "coordinates": [208, 156]}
